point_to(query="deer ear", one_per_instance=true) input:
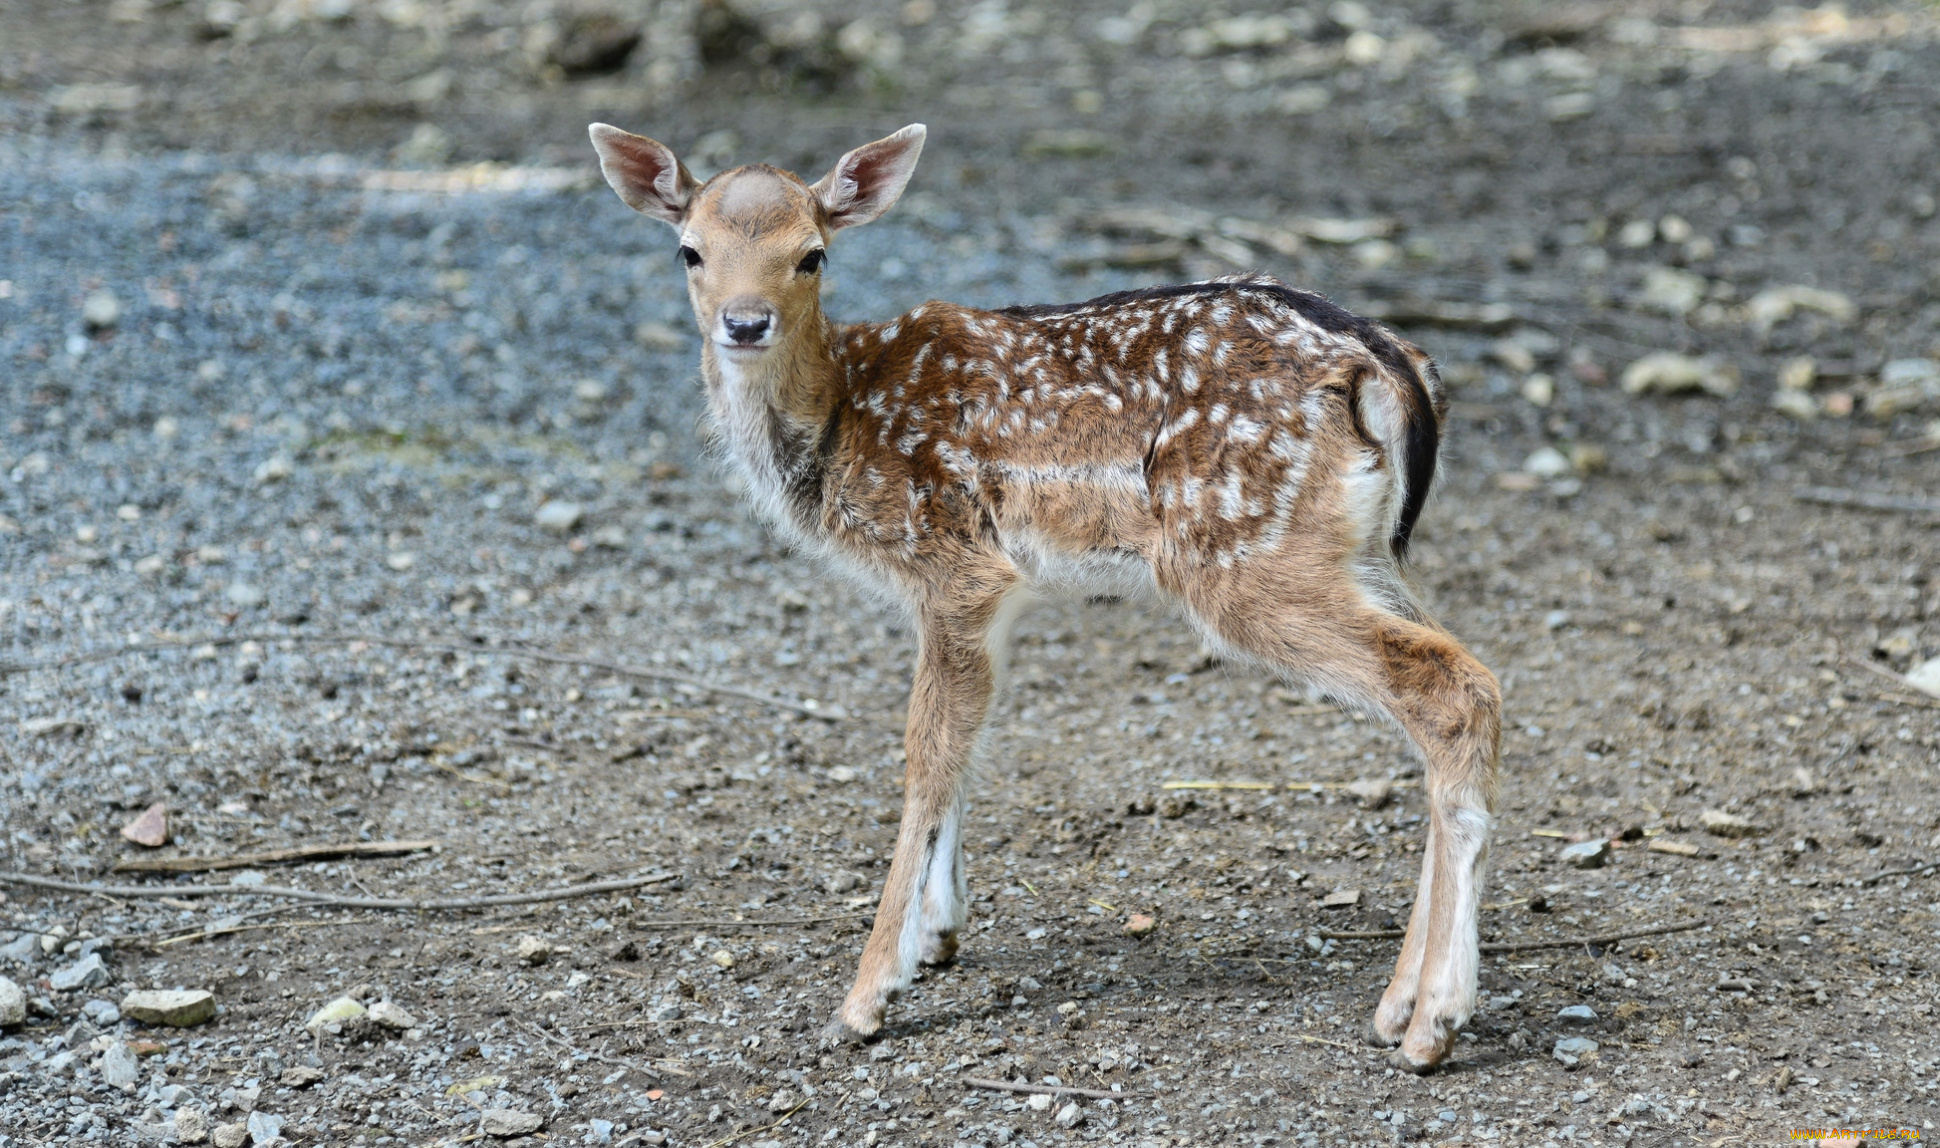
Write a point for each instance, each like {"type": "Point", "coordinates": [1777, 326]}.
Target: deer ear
{"type": "Point", "coordinates": [868, 181]}
{"type": "Point", "coordinates": [644, 173]}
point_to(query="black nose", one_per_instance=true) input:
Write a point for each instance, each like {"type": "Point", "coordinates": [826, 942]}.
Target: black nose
{"type": "Point", "coordinates": [749, 330]}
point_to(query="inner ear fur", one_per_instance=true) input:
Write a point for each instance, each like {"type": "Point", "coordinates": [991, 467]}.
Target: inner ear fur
{"type": "Point", "coordinates": [867, 181]}
{"type": "Point", "coordinates": [645, 173]}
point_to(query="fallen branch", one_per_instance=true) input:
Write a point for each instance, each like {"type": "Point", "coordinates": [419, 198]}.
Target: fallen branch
{"type": "Point", "coordinates": [650, 673]}
{"type": "Point", "coordinates": [603, 1059]}
{"type": "Point", "coordinates": [1519, 946]}
{"type": "Point", "coordinates": [1909, 871]}
{"type": "Point", "coordinates": [1865, 500]}
{"type": "Point", "coordinates": [298, 855]}
{"type": "Point", "coordinates": [1041, 1089]}
{"type": "Point", "coordinates": [404, 903]}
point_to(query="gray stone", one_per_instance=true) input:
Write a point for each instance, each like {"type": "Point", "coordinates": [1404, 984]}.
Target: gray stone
{"type": "Point", "coordinates": [264, 1128]}
{"type": "Point", "coordinates": [178, 1008]}
{"type": "Point", "coordinates": [119, 1068]}
{"type": "Point", "coordinates": [102, 1013]}
{"type": "Point", "coordinates": [86, 973]}
{"type": "Point", "coordinates": [1577, 1014]}
{"type": "Point", "coordinates": [191, 1127]}
{"type": "Point", "coordinates": [22, 950]}
{"type": "Point", "coordinates": [230, 1135]}
{"type": "Point", "coordinates": [1570, 1050]}
{"type": "Point", "coordinates": [244, 596]}
{"type": "Point", "coordinates": [13, 1004]}
{"type": "Point", "coordinates": [1587, 854]}
{"type": "Point", "coordinates": [1071, 1115]}
{"type": "Point", "coordinates": [508, 1122]}
{"type": "Point", "coordinates": [602, 1131]}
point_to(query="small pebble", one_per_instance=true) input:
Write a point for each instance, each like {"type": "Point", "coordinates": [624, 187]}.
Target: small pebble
{"type": "Point", "coordinates": [508, 1122]}
{"type": "Point", "coordinates": [1587, 854]}
{"type": "Point", "coordinates": [559, 517]}
{"type": "Point", "coordinates": [1577, 1014]}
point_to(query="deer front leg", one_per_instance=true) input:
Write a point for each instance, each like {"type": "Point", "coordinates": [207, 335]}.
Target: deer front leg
{"type": "Point", "coordinates": [922, 905]}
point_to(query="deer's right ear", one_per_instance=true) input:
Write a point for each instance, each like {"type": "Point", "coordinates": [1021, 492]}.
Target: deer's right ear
{"type": "Point", "coordinates": [644, 173]}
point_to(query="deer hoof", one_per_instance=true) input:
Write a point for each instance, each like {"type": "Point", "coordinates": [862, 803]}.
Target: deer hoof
{"type": "Point", "coordinates": [839, 1033]}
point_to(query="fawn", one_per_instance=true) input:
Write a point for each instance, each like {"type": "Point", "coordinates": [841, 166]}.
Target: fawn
{"type": "Point", "coordinates": [1254, 454]}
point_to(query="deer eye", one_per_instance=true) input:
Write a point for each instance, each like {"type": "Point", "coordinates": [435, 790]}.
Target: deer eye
{"type": "Point", "coordinates": [689, 256]}
{"type": "Point", "coordinates": [812, 262]}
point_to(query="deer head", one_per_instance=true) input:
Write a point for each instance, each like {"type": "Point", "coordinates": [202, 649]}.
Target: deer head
{"type": "Point", "coordinates": [754, 239]}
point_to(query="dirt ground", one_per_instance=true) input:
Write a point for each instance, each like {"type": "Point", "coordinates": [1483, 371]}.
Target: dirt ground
{"type": "Point", "coordinates": [385, 363]}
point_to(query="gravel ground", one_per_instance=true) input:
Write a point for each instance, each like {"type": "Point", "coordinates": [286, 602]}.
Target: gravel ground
{"type": "Point", "coordinates": [340, 397]}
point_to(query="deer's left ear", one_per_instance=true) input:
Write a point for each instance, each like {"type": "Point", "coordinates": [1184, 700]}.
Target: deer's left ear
{"type": "Point", "coordinates": [868, 181]}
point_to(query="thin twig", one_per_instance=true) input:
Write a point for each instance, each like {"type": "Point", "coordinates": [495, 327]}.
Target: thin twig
{"type": "Point", "coordinates": [332, 899]}
{"type": "Point", "coordinates": [1040, 1089]}
{"type": "Point", "coordinates": [1606, 939]}
{"type": "Point", "coordinates": [1909, 871]}
{"type": "Point", "coordinates": [733, 1136]}
{"type": "Point", "coordinates": [718, 923]}
{"type": "Point", "coordinates": [603, 1059]}
{"type": "Point", "coordinates": [1919, 696]}
{"type": "Point", "coordinates": [214, 931]}
{"type": "Point", "coordinates": [1519, 946]}
{"type": "Point", "coordinates": [273, 857]}
{"type": "Point", "coordinates": [1865, 500]}
{"type": "Point", "coordinates": [823, 712]}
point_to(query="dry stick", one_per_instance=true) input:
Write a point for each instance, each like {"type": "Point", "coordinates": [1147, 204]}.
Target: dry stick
{"type": "Point", "coordinates": [224, 930]}
{"type": "Point", "coordinates": [726, 924]}
{"type": "Point", "coordinates": [1041, 1089]}
{"type": "Point", "coordinates": [1865, 500]}
{"type": "Point", "coordinates": [273, 857]}
{"type": "Point", "coordinates": [825, 713]}
{"type": "Point", "coordinates": [1919, 697]}
{"type": "Point", "coordinates": [733, 1136]}
{"type": "Point", "coordinates": [330, 898]}
{"type": "Point", "coordinates": [1519, 946]}
{"type": "Point", "coordinates": [1906, 872]}
{"type": "Point", "coordinates": [614, 1061]}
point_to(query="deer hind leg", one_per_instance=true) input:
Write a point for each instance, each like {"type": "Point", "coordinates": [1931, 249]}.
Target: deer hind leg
{"type": "Point", "coordinates": [1450, 706]}
{"type": "Point", "coordinates": [923, 901]}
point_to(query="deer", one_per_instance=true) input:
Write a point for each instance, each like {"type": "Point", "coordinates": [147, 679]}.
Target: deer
{"type": "Point", "coordinates": [1251, 455]}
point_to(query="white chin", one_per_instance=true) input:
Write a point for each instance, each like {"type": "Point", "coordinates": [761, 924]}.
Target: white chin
{"type": "Point", "coordinates": [743, 350]}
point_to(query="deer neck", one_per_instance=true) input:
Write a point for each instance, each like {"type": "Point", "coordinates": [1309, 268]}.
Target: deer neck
{"type": "Point", "coordinates": [772, 410]}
